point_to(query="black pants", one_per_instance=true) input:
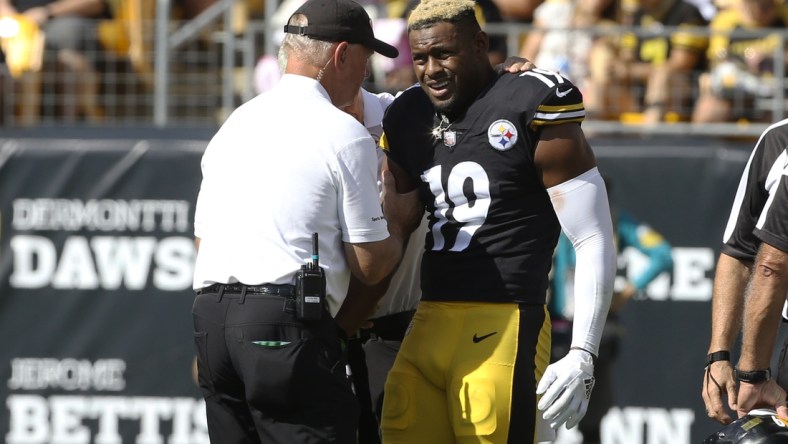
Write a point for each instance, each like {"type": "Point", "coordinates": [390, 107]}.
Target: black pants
{"type": "Point", "coordinates": [269, 378]}
{"type": "Point", "coordinates": [368, 427]}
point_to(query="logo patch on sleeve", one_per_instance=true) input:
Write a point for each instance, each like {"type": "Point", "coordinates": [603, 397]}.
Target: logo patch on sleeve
{"type": "Point", "coordinates": [502, 135]}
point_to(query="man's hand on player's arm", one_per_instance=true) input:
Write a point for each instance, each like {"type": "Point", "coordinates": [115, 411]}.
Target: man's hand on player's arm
{"type": "Point", "coordinates": [514, 65]}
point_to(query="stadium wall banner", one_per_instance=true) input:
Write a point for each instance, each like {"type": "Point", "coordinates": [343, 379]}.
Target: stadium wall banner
{"type": "Point", "coordinates": [96, 261]}
{"type": "Point", "coordinates": [684, 189]}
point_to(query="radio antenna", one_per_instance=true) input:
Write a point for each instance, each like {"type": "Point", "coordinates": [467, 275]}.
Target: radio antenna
{"type": "Point", "coordinates": [315, 256]}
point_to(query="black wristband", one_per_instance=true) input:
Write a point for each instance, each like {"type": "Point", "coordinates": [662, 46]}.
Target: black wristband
{"type": "Point", "coordinates": [722, 355]}
{"type": "Point", "coordinates": [754, 376]}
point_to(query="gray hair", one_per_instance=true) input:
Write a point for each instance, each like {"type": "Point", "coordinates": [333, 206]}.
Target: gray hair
{"type": "Point", "coordinates": [311, 51]}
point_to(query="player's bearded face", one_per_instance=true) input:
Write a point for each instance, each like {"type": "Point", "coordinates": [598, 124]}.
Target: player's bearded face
{"type": "Point", "coordinates": [443, 64]}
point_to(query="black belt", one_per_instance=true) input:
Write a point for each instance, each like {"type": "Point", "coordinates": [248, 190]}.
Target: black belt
{"type": "Point", "coordinates": [392, 327]}
{"type": "Point", "coordinates": [286, 290]}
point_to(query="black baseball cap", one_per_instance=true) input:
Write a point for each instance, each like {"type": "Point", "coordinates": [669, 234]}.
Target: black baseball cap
{"type": "Point", "coordinates": [339, 21]}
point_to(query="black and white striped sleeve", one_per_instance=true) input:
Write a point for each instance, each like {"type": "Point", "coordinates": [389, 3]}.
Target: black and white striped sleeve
{"type": "Point", "coordinates": [772, 226]}
{"type": "Point", "coordinates": [757, 183]}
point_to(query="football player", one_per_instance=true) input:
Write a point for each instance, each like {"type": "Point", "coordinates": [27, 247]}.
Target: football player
{"type": "Point", "coordinates": [502, 166]}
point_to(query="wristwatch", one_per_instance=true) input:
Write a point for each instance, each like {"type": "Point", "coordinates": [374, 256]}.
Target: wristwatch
{"type": "Point", "coordinates": [754, 376]}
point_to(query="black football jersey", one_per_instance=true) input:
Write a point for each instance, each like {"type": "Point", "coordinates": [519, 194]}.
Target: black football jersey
{"type": "Point", "coordinates": [492, 227]}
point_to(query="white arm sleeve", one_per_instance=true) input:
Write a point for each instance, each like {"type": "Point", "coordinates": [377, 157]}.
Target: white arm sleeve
{"type": "Point", "coordinates": [584, 213]}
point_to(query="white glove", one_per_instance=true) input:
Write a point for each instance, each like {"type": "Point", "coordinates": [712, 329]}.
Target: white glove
{"type": "Point", "coordinates": [566, 388]}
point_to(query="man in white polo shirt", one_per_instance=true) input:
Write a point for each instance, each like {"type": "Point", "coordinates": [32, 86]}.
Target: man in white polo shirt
{"type": "Point", "coordinates": [285, 165]}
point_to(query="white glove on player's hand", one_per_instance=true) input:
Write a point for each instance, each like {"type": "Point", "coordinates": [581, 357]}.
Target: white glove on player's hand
{"type": "Point", "coordinates": [566, 388]}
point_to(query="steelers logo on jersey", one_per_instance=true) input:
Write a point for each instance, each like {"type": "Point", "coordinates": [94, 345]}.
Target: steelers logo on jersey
{"type": "Point", "coordinates": [502, 135]}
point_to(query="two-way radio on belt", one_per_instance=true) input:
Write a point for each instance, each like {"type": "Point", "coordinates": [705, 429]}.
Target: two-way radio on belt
{"type": "Point", "coordinates": [310, 287]}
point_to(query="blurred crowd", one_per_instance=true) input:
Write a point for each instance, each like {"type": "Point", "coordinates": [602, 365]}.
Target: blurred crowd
{"type": "Point", "coordinates": [636, 61]}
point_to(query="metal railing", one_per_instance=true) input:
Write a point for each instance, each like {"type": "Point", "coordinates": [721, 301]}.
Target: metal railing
{"type": "Point", "coordinates": [204, 68]}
